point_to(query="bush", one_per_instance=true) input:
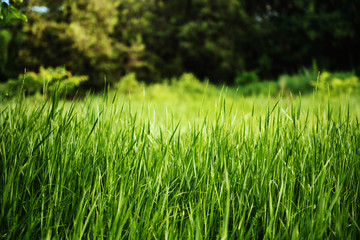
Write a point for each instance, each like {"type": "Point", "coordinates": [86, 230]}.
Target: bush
{"type": "Point", "coordinates": [338, 83]}
{"type": "Point", "coordinates": [247, 77]}
{"type": "Point", "coordinates": [46, 81]}
{"type": "Point", "coordinates": [128, 84]}
{"type": "Point", "coordinates": [300, 82]}
{"type": "Point", "coordinates": [260, 88]}
{"type": "Point", "coordinates": [188, 82]}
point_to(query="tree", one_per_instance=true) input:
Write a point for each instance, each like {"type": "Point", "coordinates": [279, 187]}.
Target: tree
{"type": "Point", "coordinates": [209, 38]}
{"type": "Point", "coordinates": [10, 39]}
{"type": "Point", "coordinates": [218, 39]}
{"type": "Point", "coordinates": [306, 30]}
{"type": "Point", "coordinates": [81, 36]}
{"type": "Point", "coordinates": [6, 8]}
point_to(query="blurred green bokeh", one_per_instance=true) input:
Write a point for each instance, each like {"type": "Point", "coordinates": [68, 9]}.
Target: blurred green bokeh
{"type": "Point", "coordinates": [225, 41]}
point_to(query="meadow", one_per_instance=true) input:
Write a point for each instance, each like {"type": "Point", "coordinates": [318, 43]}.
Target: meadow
{"type": "Point", "coordinates": [166, 163]}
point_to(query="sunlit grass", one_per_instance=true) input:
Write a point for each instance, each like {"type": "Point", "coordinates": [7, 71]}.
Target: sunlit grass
{"type": "Point", "coordinates": [208, 166]}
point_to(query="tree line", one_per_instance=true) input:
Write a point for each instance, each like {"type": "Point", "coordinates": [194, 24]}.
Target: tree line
{"type": "Point", "coordinates": [158, 39]}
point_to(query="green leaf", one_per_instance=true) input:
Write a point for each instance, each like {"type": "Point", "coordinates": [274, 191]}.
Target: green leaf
{"type": "Point", "coordinates": [18, 14]}
{"type": "Point", "coordinates": [4, 10]}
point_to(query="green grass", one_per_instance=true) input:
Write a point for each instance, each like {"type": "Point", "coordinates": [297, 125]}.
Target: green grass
{"type": "Point", "coordinates": [182, 166]}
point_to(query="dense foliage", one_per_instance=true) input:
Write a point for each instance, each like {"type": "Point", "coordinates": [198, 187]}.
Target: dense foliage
{"type": "Point", "coordinates": [45, 82]}
{"type": "Point", "coordinates": [6, 9]}
{"type": "Point", "coordinates": [219, 39]}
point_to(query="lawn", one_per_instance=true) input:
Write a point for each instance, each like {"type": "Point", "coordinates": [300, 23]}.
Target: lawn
{"type": "Point", "coordinates": [166, 163]}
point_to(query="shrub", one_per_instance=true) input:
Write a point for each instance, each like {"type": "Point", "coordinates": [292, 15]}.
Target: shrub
{"type": "Point", "coordinates": [188, 82]}
{"type": "Point", "coordinates": [300, 82]}
{"type": "Point", "coordinates": [338, 83]}
{"type": "Point", "coordinates": [45, 81]}
{"type": "Point", "coordinates": [128, 84]}
{"type": "Point", "coordinates": [247, 77]}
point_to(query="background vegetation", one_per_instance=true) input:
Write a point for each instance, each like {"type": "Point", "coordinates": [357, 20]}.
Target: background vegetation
{"type": "Point", "coordinates": [224, 41]}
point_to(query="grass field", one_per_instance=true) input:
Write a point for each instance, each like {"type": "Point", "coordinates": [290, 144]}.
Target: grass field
{"type": "Point", "coordinates": [154, 165]}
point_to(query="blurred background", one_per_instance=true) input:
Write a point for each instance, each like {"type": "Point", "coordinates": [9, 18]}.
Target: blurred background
{"type": "Point", "coordinates": [251, 44]}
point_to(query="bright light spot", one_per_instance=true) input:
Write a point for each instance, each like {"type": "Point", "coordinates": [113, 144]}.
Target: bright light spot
{"type": "Point", "coordinates": [40, 9]}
